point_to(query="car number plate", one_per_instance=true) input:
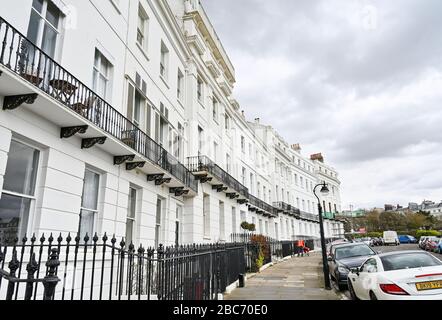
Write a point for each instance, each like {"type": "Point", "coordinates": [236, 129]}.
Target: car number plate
{"type": "Point", "coordinates": [432, 285]}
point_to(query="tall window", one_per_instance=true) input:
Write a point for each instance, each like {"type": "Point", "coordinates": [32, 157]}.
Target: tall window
{"type": "Point", "coordinates": [215, 109]}
{"type": "Point", "coordinates": [222, 223]}
{"type": "Point", "coordinates": [215, 151]}
{"type": "Point", "coordinates": [142, 28]}
{"type": "Point", "coordinates": [234, 230]}
{"type": "Point", "coordinates": [44, 25]}
{"type": "Point", "coordinates": [89, 203]}
{"type": "Point", "coordinates": [137, 109]}
{"type": "Point", "coordinates": [178, 218]}
{"type": "Point", "coordinates": [164, 61]}
{"type": "Point", "coordinates": [130, 219]}
{"type": "Point", "coordinates": [180, 85]}
{"type": "Point", "coordinates": [18, 190]}
{"type": "Point", "coordinates": [206, 216]}
{"type": "Point", "coordinates": [228, 163]}
{"type": "Point", "coordinates": [243, 145]}
{"type": "Point", "coordinates": [158, 221]}
{"type": "Point", "coordinates": [200, 140]}
{"type": "Point", "coordinates": [101, 75]}
{"type": "Point", "coordinates": [199, 89]}
{"type": "Point", "coordinates": [243, 176]}
{"type": "Point", "coordinates": [226, 121]}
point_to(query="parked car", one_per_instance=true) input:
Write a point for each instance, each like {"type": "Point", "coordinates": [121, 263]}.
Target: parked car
{"type": "Point", "coordinates": [344, 257]}
{"type": "Point", "coordinates": [367, 241]}
{"type": "Point", "coordinates": [400, 275]}
{"type": "Point", "coordinates": [391, 238]}
{"type": "Point", "coordinates": [407, 239]}
{"type": "Point", "coordinates": [431, 245]}
{"type": "Point", "coordinates": [379, 241]}
{"type": "Point", "coordinates": [332, 245]}
{"type": "Point", "coordinates": [423, 239]}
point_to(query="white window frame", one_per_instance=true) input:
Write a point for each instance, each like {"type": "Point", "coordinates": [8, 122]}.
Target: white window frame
{"type": "Point", "coordinates": [107, 77]}
{"type": "Point", "coordinates": [96, 212]}
{"type": "Point", "coordinates": [134, 218]}
{"type": "Point", "coordinates": [43, 22]}
{"type": "Point", "coordinates": [144, 17]}
{"type": "Point", "coordinates": [32, 198]}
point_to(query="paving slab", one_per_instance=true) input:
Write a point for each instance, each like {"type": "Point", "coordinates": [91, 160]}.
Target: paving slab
{"type": "Point", "coordinates": [299, 278]}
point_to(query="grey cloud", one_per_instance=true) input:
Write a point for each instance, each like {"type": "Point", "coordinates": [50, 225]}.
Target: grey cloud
{"type": "Point", "coordinates": [338, 69]}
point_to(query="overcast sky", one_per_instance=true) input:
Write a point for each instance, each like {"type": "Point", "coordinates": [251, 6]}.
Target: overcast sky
{"type": "Point", "coordinates": [359, 81]}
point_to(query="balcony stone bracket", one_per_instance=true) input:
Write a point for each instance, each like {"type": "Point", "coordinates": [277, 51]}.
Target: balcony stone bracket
{"type": "Point", "coordinates": [90, 142]}
{"type": "Point", "coordinates": [204, 178]}
{"type": "Point", "coordinates": [133, 165]}
{"type": "Point", "coordinates": [13, 102]}
{"type": "Point", "coordinates": [232, 195]}
{"type": "Point", "coordinates": [118, 160]}
{"type": "Point", "coordinates": [242, 201]}
{"type": "Point", "coordinates": [179, 191]}
{"type": "Point", "coordinates": [68, 132]}
{"type": "Point", "coordinates": [154, 177]}
{"type": "Point", "coordinates": [219, 188]}
{"type": "Point", "coordinates": [161, 181]}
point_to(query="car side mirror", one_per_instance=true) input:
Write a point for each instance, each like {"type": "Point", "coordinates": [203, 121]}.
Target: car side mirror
{"type": "Point", "coordinates": [355, 270]}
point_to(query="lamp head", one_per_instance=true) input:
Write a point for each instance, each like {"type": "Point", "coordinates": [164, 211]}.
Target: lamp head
{"type": "Point", "coordinates": [324, 190]}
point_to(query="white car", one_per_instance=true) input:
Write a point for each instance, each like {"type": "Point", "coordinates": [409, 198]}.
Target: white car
{"type": "Point", "coordinates": [401, 275]}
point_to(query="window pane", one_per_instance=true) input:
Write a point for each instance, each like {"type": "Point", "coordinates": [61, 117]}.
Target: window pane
{"type": "Point", "coordinates": [132, 203]}
{"type": "Point", "coordinates": [86, 223]}
{"type": "Point", "coordinates": [37, 5]}
{"type": "Point", "coordinates": [53, 14]}
{"type": "Point", "coordinates": [49, 41]}
{"type": "Point", "coordinates": [90, 190]}
{"type": "Point", "coordinates": [129, 231]}
{"type": "Point", "coordinates": [158, 215]}
{"type": "Point", "coordinates": [33, 27]}
{"type": "Point", "coordinates": [14, 215]}
{"type": "Point", "coordinates": [21, 169]}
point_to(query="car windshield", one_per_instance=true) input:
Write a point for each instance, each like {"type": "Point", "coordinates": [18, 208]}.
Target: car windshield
{"type": "Point", "coordinates": [353, 251]}
{"type": "Point", "coordinates": [409, 261]}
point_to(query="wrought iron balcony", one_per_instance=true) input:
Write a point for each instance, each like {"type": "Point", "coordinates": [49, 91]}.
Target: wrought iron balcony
{"type": "Point", "coordinates": [32, 64]}
{"type": "Point", "coordinates": [287, 209]}
{"type": "Point", "coordinates": [309, 216]}
{"type": "Point", "coordinates": [260, 205]}
{"type": "Point", "coordinates": [202, 167]}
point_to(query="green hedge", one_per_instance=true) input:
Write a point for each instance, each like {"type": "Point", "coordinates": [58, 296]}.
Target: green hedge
{"type": "Point", "coordinates": [427, 233]}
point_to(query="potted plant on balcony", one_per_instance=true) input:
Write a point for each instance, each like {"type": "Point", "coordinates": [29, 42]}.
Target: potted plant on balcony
{"type": "Point", "coordinates": [129, 137]}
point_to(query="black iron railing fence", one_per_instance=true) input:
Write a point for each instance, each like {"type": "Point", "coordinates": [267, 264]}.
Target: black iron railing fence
{"type": "Point", "coordinates": [32, 64]}
{"type": "Point", "coordinates": [103, 269]}
{"type": "Point", "coordinates": [204, 164]}
{"type": "Point", "coordinates": [258, 203]}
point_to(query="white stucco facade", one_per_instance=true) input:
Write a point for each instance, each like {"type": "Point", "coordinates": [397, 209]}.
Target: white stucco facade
{"type": "Point", "coordinates": [161, 65]}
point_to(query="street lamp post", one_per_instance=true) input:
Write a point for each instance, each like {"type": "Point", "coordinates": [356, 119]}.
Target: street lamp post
{"type": "Point", "coordinates": [324, 191]}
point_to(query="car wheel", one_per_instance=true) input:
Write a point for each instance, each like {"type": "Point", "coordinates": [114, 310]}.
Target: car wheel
{"type": "Point", "coordinates": [352, 291]}
{"type": "Point", "coordinates": [373, 296]}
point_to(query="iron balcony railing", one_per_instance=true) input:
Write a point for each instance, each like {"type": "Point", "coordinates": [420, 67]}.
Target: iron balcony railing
{"type": "Point", "coordinates": [204, 164]}
{"type": "Point", "coordinates": [289, 209]}
{"type": "Point", "coordinates": [309, 216]}
{"type": "Point", "coordinates": [263, 205]}
{"type": "Point", "coordinates": [32, 64]}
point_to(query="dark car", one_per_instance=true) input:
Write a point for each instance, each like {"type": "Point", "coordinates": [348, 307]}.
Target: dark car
{"type": "Point", "coordinates": [345, 257]}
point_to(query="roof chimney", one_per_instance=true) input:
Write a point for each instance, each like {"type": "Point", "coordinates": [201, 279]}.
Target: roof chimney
{"type": "Point", "coordinates": [318, 157]}
{"type": "Point", "coordinates": [296, 147]}
{"type": "Point", "coordinates": [257, 120]}
{"type": "Point", "coordinates": [243, 114]}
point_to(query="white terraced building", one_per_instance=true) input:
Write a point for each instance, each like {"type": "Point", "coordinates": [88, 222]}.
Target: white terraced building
{"type": "Point", "coordinates": [118, 117]}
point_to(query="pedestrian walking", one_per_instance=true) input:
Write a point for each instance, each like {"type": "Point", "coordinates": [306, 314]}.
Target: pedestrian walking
{"type": "Point", "coordinates": [301, 245]}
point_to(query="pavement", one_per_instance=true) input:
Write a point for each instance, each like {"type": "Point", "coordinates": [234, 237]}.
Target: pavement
{"type": "Point", "coordinates": [299, 278]}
